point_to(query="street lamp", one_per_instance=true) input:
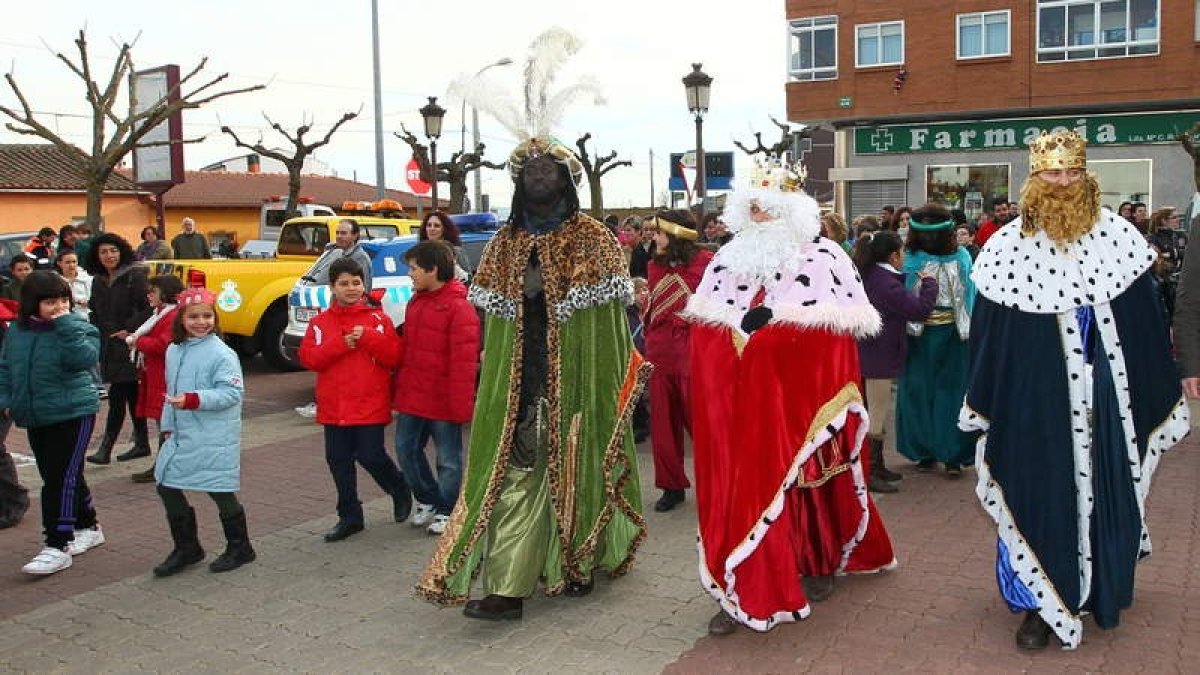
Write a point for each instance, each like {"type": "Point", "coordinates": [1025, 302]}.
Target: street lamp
{"type": "Point", "coordinates": [697, 85]}
{"type": "Point", "coordinates": [476, 204]}
{"type": "Point", "coordinates": [433, 113]}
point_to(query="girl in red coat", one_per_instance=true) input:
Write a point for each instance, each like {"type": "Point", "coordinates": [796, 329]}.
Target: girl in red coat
{"type": "Point", "coordinates": [435, 384]}
{"type": "Point", "coordinates": [148, 348]}
{"type": "Point", "coordinates": [675, 269]}
{"type": "Point", "coordinates": [353, 348]}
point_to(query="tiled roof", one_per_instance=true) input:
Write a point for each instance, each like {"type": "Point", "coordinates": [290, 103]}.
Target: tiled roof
{"type": "Point", "coordinates": [42, 166]}
{"type": "Point", "coordinates": [228, 189]}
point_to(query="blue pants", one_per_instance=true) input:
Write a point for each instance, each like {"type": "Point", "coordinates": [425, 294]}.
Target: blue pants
{"type": "Point", "coordinates": [363, 444]}
{"type": "Point", "coordinates": [411, 436]}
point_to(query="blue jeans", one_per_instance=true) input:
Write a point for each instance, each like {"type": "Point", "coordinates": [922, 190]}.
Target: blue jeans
{"type": "Point", "coordinates": [362, 444]}
{"type": "Point", "coordinates": [411, 435]}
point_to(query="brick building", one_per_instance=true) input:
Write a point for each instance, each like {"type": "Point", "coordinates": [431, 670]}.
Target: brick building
{"type": "Point", "coordinates": [935, 100]}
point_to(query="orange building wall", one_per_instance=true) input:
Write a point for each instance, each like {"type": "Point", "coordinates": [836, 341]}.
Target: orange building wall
{"type": "Point", "coordinates": [939, 82]}
{"type": "Point", "coordinates": [125, 215]}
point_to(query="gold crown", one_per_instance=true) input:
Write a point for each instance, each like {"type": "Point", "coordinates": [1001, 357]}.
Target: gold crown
{"type": "Point", "coordinates": [774, 174]}
{"type": "Point", "coordinates": [1058, 150]}
{"type": "Point", "coordinates": [545, 145]}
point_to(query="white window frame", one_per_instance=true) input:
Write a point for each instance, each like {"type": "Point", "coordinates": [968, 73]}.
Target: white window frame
{"type": "Point", "coordinates": [809, 25]}
{"type": "Point", "coordinates": [1097, 46]}
{"type": "Point", "coordinates": [1148, 161]}
{"type": "Point", "coordinates": [1197, 12]}
{"type": "Point", "coordinates": [878, 34]}
{"type": "Point", "coordinates": [982, 17]}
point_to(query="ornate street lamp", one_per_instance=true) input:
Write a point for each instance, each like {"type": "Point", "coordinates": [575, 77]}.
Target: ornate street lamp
{"type": "Point", "coordinates": [433, 113]}
{"type": "Point", "coordinates": [697, 85]}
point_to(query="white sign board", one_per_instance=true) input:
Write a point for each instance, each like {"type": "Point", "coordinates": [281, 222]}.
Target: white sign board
{"type": "Point", "coordinates": [153, 164]}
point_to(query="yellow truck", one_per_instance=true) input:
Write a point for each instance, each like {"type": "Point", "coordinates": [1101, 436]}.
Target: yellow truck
{"type": "Point", "coordinates": [252, 294]}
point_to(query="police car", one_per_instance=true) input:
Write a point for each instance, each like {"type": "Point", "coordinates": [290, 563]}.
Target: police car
{"type": "Point", "coordinates": [391, 285]}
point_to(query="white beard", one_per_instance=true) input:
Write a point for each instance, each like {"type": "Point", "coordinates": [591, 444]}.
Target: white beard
{"type": "Point", "coordinates": [760, 250]}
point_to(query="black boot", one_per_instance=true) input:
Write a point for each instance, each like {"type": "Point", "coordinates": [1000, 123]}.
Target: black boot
{"type": "Point", "coordinates": [238, 551]}
{"type": "Point", "coordinates": [401, 502]}
{"type": "Point", "coordinates": [669, 500]}
{"type": "Point", "coordinates": [187, 545]}
{"type": "Point", "coordinates": [877, 464]}
{"type": "Point", "coordinates": [817, 588]}
{"type": "Point", "coordinates": [104, 452]}
{"type": "Point", "coordinates": [147, 476]}
{"type": "Point", "coordinates": [141, 442]}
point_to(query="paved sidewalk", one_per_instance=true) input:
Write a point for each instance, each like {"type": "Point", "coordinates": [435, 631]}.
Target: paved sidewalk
{"type": "Point", "coordinates": [309, 606]}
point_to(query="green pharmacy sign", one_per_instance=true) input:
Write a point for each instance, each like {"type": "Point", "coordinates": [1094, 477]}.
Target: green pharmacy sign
{"type": "Point", "coordinates": [1016, 134]}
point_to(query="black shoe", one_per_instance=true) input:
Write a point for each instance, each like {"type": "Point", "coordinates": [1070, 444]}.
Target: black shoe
{"type": "Point", "coordinates": [578, 589]}
{"type": "Point", "coordinates": [721, 624]}
{"type": "Point", "coordinates": [926, 465]}
{"type": "Point", "coordinates": [1033, 633]}
{"type": "Point", "coordinates": [877, 484]}
{"type": "Point", "coordinates": [495, 608]}
{"type": "Point", "coordinates": [146, 476]}
{"type": "Point", "coordinates": [104, 452]}
{"type": "Point", "coordinates": [877, 464]}
{"type": "Point", "coordinates": [343, 529]}
{"type": "Point", "coordinates": [401, 504]}
{"type": "Point", "coordinates": [817, 589]}
{"type": "Point", "coordinates": [953, 471]}
{"type": "Point", "coordinates": [669, 500]}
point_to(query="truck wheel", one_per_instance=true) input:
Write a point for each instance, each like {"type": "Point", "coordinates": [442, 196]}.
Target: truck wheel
{"type": "Point", "coordinates": [271, 339]}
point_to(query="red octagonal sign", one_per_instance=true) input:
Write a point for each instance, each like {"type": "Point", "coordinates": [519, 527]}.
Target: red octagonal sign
{"type": "Point", "coordinates": [413, 173]}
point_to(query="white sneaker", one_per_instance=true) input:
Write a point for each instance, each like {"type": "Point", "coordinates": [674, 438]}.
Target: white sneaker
{"type": "Point", "coordinates": [307, 411]}
{"type": "Point", "coordinates": [86, 540]}
{"type": "Point", "coordinates": [49, 561]}
{"type": "Point", "coordinates": [438, 525]}
{"type": "Point", "coordinates": [421, 515]}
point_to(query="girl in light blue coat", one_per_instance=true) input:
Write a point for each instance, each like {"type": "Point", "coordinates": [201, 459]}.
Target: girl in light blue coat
{"type": "Point", "coordinates": [202, 417]}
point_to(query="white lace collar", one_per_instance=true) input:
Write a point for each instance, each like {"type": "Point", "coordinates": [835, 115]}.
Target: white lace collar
{"type": "Point", "coordinates": [1033, 274]}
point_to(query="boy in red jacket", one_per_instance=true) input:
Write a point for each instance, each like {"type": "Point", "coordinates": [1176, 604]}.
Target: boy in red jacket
{"type": "Point", "coordinates": [353, 348]}
{"type": "Point", "coordinates": [435, 384]}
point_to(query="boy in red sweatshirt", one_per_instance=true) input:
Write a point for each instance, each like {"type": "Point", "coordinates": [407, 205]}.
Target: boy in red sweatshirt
{"type": "Point", "coordinates": [353, 349]}
{"type": "Point", "coordinates": [435, 384]}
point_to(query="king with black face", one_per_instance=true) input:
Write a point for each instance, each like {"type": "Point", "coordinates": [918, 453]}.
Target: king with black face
{"type": "Point", "coordinates": [544, 184]}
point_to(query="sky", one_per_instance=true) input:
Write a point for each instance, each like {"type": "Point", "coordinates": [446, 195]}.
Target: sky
{"type": "Point", "coordinates": [316, 60]}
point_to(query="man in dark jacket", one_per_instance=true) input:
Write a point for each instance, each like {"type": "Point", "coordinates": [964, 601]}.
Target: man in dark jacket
{"type": "Point", "coordinates": [190, 244]}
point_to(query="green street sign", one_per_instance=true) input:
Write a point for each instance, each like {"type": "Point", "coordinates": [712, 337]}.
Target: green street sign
{"type": "Point", "coordinates": [845, 102]}
{"type": "Point", "coordinates": [1014, 134]}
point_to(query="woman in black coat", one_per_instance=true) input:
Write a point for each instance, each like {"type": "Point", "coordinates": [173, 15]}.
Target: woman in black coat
{"type": "Point", "coordinates": [119, 305]}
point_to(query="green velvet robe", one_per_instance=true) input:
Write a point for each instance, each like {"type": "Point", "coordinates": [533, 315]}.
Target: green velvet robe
{"type": "Point", "coordinates": [596, 376]}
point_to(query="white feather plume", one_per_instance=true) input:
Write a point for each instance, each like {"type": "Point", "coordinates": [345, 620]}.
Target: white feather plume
{"type": "Point", "coordinates": [541, 110]}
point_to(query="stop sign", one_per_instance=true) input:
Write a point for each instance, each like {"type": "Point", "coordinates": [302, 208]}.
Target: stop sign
{"type": "Point", "coordinates": [413, 173]}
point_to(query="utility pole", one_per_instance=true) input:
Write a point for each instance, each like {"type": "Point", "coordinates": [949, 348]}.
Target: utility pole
{"type": "Point", "coordinates": [651, 177]}
{"type": "Point", "coordinates": [380, 182]}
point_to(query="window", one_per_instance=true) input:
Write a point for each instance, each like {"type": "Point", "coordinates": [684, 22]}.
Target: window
{"type": "Point", "coordinates": [1070, 30]}
{"type": "Point", "coordinates": [1122, 180]}
{"type": "Point", "coordinates": [970, 187]}
{"type": "Point", "coordinates": [879, 44]}
{"type": "Point", "coordinates": [983, 34]}
{"type": "Point", "coordinates": [813, 49]}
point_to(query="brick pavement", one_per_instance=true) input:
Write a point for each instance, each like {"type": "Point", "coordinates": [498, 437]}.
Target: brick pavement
{"type": "Point", "coordinates": [310, 606]}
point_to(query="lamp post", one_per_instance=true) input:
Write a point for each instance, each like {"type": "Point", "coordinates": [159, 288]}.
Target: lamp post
{"type": "Point", "coordinates": [432, 114]}
{"type": "Point", "coordinates": [477, 201]}
{"type": "Point", "coordinates": [697, 85]}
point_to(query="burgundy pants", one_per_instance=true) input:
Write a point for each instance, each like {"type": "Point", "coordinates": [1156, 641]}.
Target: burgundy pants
{"type": "Point", "coordinates": [670, 414]}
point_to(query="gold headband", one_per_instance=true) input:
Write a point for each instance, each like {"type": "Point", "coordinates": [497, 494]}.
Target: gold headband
{"type": "Point", "coordinates": [676, 230]}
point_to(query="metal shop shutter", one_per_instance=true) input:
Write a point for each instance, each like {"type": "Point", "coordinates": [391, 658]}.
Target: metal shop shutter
{"type": "Point", "coordinates": [867, 197]}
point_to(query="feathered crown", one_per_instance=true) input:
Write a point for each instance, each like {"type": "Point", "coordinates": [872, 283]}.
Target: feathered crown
{"type": "Point", "coordinates": [1058, 150]}
{"type": "Point", "coordinates": [775, 174]}
{"type": "Point", "coordinates": [533, 122]}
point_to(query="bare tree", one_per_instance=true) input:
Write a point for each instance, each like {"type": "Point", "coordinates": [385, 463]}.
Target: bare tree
{"type": "Point", "coordinates": [114, 133]}
{"type": "Point", "coordinates": [596, 170]}
{"type": "Point", "coordinates": [455, 172]}
{"type": "Point", "coordinates": [294, 161]}
{"type": "Point", "coordinates": [1191, 146]}
{"type": "Point", "coordinates": [780, 148]}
